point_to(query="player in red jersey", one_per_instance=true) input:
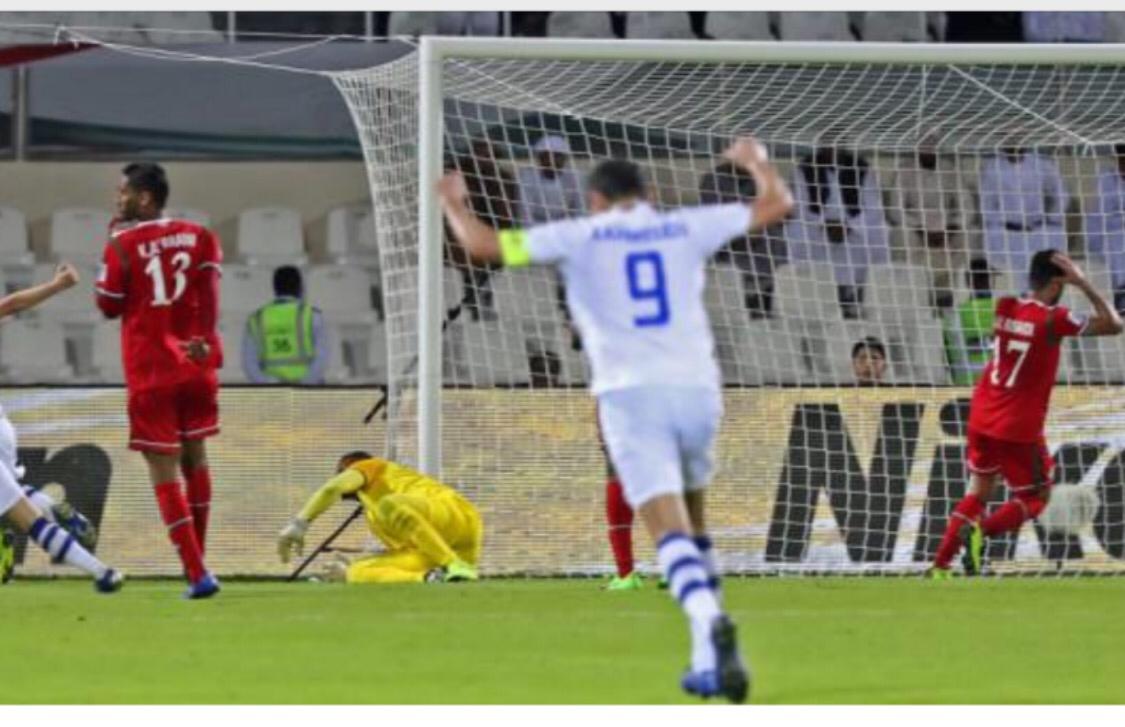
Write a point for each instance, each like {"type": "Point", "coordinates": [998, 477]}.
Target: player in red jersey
{"type": "Point", "coordinates": [161, 277]}
{"type": "Point", "coordinates": [1009, 407]}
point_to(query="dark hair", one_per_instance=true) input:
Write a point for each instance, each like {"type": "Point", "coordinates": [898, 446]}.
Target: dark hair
{"type": "Point", "coordinates": [871, 344]}
{"type": "Point", "coordinates": [1043, 269]}
{"type": "Point", "coordinates": [979, 274]}
{"type": "Point", "coordinates": [287, 281]}
{"type": "Point", "coordinates": [148, 177]}
{"type": "Point", "coordinates": [355, 456]}
{"type": "Point", "coordinates": [617, 179]}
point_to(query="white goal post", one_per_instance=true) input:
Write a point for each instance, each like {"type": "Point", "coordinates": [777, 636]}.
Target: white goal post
{"type": "Point", "coordinates": [670, 105]}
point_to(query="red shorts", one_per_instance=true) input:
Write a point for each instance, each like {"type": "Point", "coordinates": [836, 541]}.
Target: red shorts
{"type": "Point", "coordinates": [161, 418]}
{"type": "Point", "coordinates": [1021, 464]}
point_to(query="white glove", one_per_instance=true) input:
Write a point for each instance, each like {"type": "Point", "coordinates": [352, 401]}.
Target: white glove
{"type": "Point", "coordinates": [291, 539]}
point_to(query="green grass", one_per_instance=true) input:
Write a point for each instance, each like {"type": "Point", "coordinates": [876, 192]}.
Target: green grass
{"type": "Point", "coordinates": [811, 641]}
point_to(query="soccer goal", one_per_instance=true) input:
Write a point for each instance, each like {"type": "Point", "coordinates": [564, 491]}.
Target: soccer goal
{"type": "Point", "coordinates": [849, 336]}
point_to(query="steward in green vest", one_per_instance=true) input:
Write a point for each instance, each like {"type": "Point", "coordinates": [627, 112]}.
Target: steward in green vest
{"type": "Point", "coordinates": [281, 336]}
{"type": "Point", "coordinates": [968, 329]}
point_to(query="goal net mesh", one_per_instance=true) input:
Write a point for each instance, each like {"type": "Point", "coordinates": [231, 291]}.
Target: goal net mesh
{"type": "Point", "coordinates": [922, 192]}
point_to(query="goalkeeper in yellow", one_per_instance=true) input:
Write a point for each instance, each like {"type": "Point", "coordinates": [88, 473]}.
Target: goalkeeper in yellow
{"type": "Point", "coordinates": [430, 530]}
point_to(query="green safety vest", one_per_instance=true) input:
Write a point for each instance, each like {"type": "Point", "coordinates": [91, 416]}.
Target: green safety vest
{"type": "Point", "coordinates": [283, 331]}
{"type": "Point", "coordinates": [968, 339]}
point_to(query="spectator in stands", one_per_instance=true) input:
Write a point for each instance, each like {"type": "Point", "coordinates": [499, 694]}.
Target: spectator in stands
{"type": "Point", "coordinates": [839, 220]}
{"type": "Point", "coordinates": [493, 197]}
{"type": "Point", "coordinates": [285, 341]}
{"type": "Point", "coordinates": [978, 27]}
{"type": "Point", "coordinates": [1105, 224]}
{"type": "Point", "coordinates": [1060, 27]}
{"type": "Point", "coordinates": [968, 330]}
{"type": "Point", "coordinates": [755, 255]}
{"type": "Point", "coordinates": [931, 203]}
{"type": "Point", "coordinates": [551, 189]}
{"type": "Point", "coordinates": [1022, 205]}
{"type": "Point", "coordinates": [869, 361]}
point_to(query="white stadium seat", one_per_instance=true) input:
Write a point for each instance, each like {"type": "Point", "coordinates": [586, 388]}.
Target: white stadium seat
{"type": "Point", "coordinates": [33, 351]}
{"type": "Point", "coordinates": [738, 26]}
{"type": "Point", "coordinates": [766, 353]}
{"type": "Point", "coordinates": [725, 302]}
{"type": "Point", "coordinates": [343, 293]}
{"type": "Point", "coordinates": [658, 25]}
{"type": "Point", "coordinates": [14, 246]}
{"type": "Point", "coordinates": [245, 288]}
{"type": "Point", "coordinates": [78, 235]}
{"type": "Point", "coordinates": [807, 291]}
{"type": "Point", "coordinates": [107, 354]}
{"type": "Point", "coordinates": [199, 217]}
{"type": "Point", "coordinates": [487, 354]}
{"type": "Point", "coordinates": [815, 26]}
{"type": "Point", "coordinates": [351, 236]}
{"type": "Point", "coordinates": [271, 236]}
{"type": "Point", "coordinates": [579, 25]}
{"type": "Point", "coordinates": [897, 293]}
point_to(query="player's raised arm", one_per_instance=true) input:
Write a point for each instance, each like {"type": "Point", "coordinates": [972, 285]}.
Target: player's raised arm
{"type": "Point", "coordinates": [479, 240]}
{"type": "Point", "coordinates": [65, 277]}
{"type": "Point", "coordinates": [773, 200]}
{"type": "Point", "coordinates": [1105, 321]}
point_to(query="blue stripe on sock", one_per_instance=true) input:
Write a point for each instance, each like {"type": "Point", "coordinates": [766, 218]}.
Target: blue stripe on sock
{"type": "Point", "coordinates": [702, 542]}
{"type": "Point", "coordinates": [36, 528]}
{"type": "Point", "coordinates": [49, 536]}
{"type": "Point", "coordinates": [687, 560]}
{"type": "Point", "coordinates": [63, 551]}
{"type": "Point", "coordinates": [689, 588]}
{"type": "Point", "coordinates": [671, 537]}
{"type": "Point", "coordinates": [713, 582]}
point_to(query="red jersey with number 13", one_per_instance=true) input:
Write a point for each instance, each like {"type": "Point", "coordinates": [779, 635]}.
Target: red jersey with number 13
{"type": "Point", "coordinates": [166, 291]}
{"type": "Point", "coordinates": [1011, 399]}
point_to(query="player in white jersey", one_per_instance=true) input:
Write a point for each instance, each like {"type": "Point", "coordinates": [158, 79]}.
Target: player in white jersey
{"type": "Point", "coordinates": [15, 507]}
{"type": "Point", "coordinates": [634, 279]}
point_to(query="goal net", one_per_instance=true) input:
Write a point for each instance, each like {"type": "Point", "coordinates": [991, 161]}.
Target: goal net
{"type": "Point", "coordinates": [923, 188]}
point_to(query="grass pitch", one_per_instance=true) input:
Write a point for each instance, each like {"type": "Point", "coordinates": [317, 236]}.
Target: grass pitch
{"type": "Point", "coordinates": [811, 641]}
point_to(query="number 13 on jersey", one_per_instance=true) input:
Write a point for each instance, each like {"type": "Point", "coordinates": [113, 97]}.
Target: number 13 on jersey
{"type": "Point", "coordinates": [648, 285]}
{"type": "Point", "coordinates": [181, 261]}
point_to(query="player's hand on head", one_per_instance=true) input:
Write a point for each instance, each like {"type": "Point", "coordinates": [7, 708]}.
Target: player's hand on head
{"type": "Point", "coordinates": [747, 151]}
{"type": "Point", "coordinates": [452, 188]}
{"type": "Point", "coordinates": [1071, 272]}
{"type": "Point", "coordinates": [65, 275]}
{"type": "Point", "coordinates": [291, 539]}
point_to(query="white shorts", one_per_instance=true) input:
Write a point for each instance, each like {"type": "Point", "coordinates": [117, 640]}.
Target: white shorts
{"type": "Point", "coordinates": [10, 490]}
{"type": "Point", "coordinates": [660, 439]}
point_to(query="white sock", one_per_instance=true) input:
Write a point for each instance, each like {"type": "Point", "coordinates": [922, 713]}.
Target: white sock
{"type": "Point", "coordinates": [42, 502]}
{"type": "Point", "coordinates": [62, 548]}
{"type": "Point", "coordinates": [688, 582]}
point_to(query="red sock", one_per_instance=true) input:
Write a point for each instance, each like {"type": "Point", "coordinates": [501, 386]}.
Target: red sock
{"type": "Point", "coordinates": [174, 510]}
{"type": "Point", "coordinates": [1012, 514]}
{"type": "Point", "coordinates": [619, 517]}
{"type": "Point", "coordinates": [967, 511]}
{"type": "Point", "coordinates": [199, 500]}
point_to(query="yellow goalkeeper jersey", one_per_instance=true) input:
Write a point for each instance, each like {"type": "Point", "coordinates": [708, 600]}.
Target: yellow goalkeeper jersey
{"type": "Point", "coordinates": [371, 480]}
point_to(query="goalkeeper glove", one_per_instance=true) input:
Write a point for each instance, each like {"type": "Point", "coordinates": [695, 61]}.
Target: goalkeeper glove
{"type": "Point", "coordinates": [292, 539]}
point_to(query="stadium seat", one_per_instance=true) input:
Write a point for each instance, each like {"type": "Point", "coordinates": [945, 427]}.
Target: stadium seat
{"type": "Point", "coordinates": [351, 236]}
{"type": "Point", "coordinates": [806, 291]}
{"type": "Point", "coordinates": [766, 353]}
{"type": "Point", "coordinates": [342, 292]}
{"type": "Point", "coordinates": [271, 236]}
{"type": "Point", "coordinates": [107, 354]}
{"type": "Point", "coordinates": [529, 296]}
{"type": "Point", "coordinates": [231, 326]}
{"type": "Point", "coordinates": [199, 217]}
{"type": "Point", "coordinates": [738, 26]}
{"type": "Point", "coordinates": [245, 288]}
{"type": "Point", "coordinates": [76, 305]}
{"type": "Point", "coordinates": [13, 237]}
{"type": "Point", "coordinates": [897, 293]}
{"type": "Point", "coordinates": [725, 301]}
{"type": "Point", "coordinates": [33, 352]}
{"type": "Point", "coordinates": [579, 25]}
{"type": "Point", "coordinates": [815, 26]}
{"type": "Point", "coordinates": [1099, 276]}
{"type": "Point", "coordinates": [485, 353]}
{"type": "Point", "coordinates": [355, 352]}
{"type": "Point", "coordinates": [660, 25]}
{"type": "Point", "coordinates": [78, 235]}
{"type": "Point", "coordinates": [894, 27]}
